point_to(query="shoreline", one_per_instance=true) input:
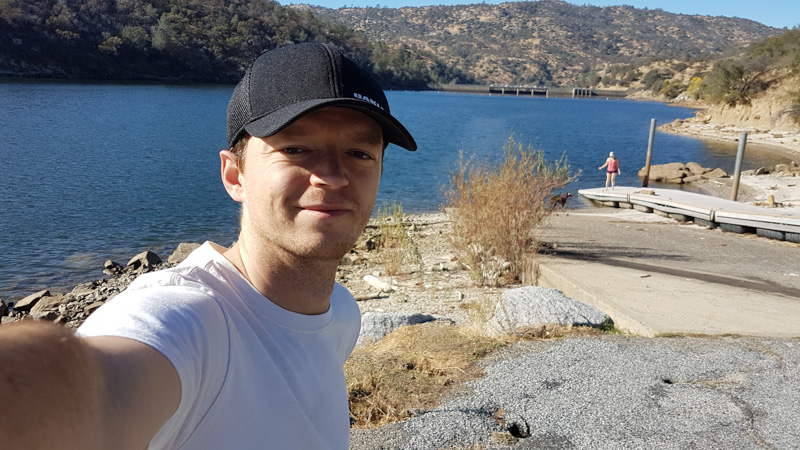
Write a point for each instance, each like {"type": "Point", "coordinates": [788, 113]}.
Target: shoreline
{"type": "Point", "coordinates": [754, 189]}
{"type": "Point", "coordinates": [783, 142]}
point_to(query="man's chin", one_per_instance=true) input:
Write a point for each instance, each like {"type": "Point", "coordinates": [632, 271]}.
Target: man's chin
{"type": "Point", "coordinates": [326, 252]}
{"type": "Point", "coordinates": [324, 246]}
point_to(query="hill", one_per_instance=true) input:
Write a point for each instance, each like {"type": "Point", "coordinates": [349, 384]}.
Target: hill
{"type": "Point", "coordinates": [548, 42]}
{"type": "Point", "coordinates": [186, 40]}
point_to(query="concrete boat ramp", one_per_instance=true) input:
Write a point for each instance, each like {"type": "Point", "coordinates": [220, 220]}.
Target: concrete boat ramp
{"type": "Point", "coordinates": [704, 210]}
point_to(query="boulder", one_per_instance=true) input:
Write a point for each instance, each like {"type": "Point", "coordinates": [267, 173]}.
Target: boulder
{"type": "Point", "coordinates": [676, 166]}
{"type": "Point", "coordinates": [88, 309]}
{"type": "Point", "coordinates": [143, 262]}
{"type": "Point", "coordinates": [376, 325]}
{"type": "Point", "coordinates": [84, 289]}
{"type": "Point", "coordinates": [714, 174]}
{"type": "Point", "coordinates": [30, 301]}
{"type": "Point", "coordinates": [48, 307]}
{"type": "Point", "coordinates": [111, 268]}
{"type": "Point", "coordinates": [180, 253]}
{"type": "Point", "coordinates": [529, 307]}
{"type": "Point", "coordinates": [782, 169]}
{"type": "Point", "coordinates": [696, 169]}
{"type": "Point", "coordinates": [667, 173]}
{"type": "Point", "coordinates": [693, 178]}
{"type": "Point", "coordinates": [3, 308]}
{"type": "Point", "coordinates": [382, 286]}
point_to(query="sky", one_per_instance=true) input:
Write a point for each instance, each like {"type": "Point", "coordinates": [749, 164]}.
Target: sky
{"type": "Point", "coordinates": [775, 13]}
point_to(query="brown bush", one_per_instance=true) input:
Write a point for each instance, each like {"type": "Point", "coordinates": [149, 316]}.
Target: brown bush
{"type": "Point", "coordinates": [496, 209]}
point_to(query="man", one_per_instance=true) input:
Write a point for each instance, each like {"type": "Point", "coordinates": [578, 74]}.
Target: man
{"type": "Point", "coordinates": [235, 348]}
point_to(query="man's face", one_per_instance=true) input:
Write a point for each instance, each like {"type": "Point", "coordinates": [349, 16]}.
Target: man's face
{"type": "Point", "coordinates": [310, 189]}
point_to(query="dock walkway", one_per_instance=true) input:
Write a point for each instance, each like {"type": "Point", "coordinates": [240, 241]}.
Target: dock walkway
{"type": "Point", "coordinates": [704, 210]}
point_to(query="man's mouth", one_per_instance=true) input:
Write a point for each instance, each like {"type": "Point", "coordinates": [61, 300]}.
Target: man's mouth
{"type": "Point", "coordinates": [326, 210]}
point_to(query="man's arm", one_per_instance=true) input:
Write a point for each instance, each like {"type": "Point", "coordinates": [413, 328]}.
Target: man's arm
{"type": "Point", "coordinates": [61, 391]}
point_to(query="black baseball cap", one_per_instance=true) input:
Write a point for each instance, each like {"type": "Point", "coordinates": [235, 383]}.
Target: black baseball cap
{"type": "Point", "coordinates": [284, 84]}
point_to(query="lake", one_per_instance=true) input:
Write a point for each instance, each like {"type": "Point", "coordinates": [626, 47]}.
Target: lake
{"type": "Point", "coordinates": [96, 171]}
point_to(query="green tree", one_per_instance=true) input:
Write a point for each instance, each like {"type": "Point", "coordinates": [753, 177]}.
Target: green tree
{"type": "Point", "coordinates": [736, 81]}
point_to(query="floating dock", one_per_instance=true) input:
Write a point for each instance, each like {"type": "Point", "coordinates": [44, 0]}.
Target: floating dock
{"type": "Point", "coordinates": [704, 210]}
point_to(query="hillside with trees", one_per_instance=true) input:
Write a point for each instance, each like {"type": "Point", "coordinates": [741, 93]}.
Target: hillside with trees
{"type": "Point", "coordinates": [550, 42]}
{"type": "Point", "coordinates": [547, 42]}
{"type": "Point", "coordinates": [188, 40]}
{"type": "Point", "coordinates": [758, 88]}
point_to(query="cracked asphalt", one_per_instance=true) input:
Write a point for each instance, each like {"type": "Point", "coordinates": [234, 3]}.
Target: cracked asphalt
{"type": "Point", "coordinates": [618, 392]}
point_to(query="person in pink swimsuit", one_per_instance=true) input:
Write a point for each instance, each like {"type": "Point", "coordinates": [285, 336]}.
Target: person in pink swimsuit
{"type": "Point", "coordinates": [612, 169]}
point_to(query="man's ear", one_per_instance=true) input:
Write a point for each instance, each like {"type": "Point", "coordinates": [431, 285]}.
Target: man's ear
{"type": "Point", "coordinates": [231, 175]}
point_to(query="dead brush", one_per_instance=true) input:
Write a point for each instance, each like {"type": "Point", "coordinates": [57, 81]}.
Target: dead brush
{"type": "Point", "coordinates": [496, 209]}
{"type": "Point", "coordinates": [395, 243]}
{"type": "Point", "coordinates": [411, 369]}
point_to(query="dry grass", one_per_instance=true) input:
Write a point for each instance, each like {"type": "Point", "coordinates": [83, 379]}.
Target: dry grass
{"type": "Point", "coordinates": [396, 245]}
{"type": "Point", "coordinates": [410, 370]}
{"type": "Point", "coordinates": [415, 367]}
{"type": "Point", "coordinates": [497, 209]}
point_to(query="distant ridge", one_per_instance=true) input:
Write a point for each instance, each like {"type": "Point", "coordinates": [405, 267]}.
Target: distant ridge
{"type": "Point", "coordinates": [547, 41]}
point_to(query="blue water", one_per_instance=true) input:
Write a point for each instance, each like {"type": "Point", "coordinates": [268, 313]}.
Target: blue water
{"type": "Point", "coordinates": [91, 172]}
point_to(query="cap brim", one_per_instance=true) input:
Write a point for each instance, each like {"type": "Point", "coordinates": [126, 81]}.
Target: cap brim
{"type": "Point", "coordinates": [393, 131]}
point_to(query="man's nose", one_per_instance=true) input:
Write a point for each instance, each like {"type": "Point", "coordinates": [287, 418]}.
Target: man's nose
{"type": "Point", "coordinates": [330, 172]}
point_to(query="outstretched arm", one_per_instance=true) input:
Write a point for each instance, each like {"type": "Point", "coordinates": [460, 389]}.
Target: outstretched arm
{"type": "Point", "coordinates": [91, 393]}
{"type": "Point", "coordinates": [601, 167]}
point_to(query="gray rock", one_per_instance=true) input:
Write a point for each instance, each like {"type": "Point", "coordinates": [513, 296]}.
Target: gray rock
{"type": "Point", "coordinates": [534, 306]}
{"type": "Point", "coordinates": [376, 325]}
{"type": "Point", "coordinates": [111, 268]}
{"type": "Point", "coordinates": [183, 250]}
{"type": "Point", "coordinates": [143, 261]}
{"type": "Point", "coordinates": [30, 301]}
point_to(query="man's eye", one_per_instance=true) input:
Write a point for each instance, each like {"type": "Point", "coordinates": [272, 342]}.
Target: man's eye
{"type": "Point", "coordinates": [361, 155]}
{"type": "Point", "coordinates": [292, 150]}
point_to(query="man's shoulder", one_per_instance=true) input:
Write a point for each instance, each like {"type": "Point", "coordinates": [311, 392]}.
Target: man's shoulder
{"type": "Point", "coordinates": [205, 270]}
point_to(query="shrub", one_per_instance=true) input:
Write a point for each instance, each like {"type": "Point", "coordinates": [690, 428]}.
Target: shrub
{"type": "Point", "coordinates": [736, 81]}
{"type": "Point", "coordinates": [793, 110]}
{"type": "Point", "coordinates": [672, 89]}
{"type": "Point", "coordinates": [694, 87]}
{"type": "Point", "coordinates": [395, 243]}
{"type": "Point", "coordinates": [496, 209]}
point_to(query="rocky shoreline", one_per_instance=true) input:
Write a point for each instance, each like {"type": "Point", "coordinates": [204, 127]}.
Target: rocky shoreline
{"type": "Point", "coordinates": [73, 307]}
{"type": "Point", "coordinates": [428, 282]}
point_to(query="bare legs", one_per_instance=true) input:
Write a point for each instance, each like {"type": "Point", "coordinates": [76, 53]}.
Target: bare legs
{"type": "Point", "coordinates": [610, 176]}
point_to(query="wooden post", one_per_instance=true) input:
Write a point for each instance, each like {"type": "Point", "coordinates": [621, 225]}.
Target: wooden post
{"type": "Point", "coordinates": [646, 177]}
{"type": "Point", "coordinates": [737, 171]}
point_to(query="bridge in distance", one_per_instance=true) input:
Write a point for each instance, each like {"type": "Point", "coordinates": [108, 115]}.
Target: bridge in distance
{"type": "Point", "coordinates": [540, 91]}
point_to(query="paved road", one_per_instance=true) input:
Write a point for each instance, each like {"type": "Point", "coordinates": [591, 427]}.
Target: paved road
{"type": "Point", "coordinates": [634, 392]}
